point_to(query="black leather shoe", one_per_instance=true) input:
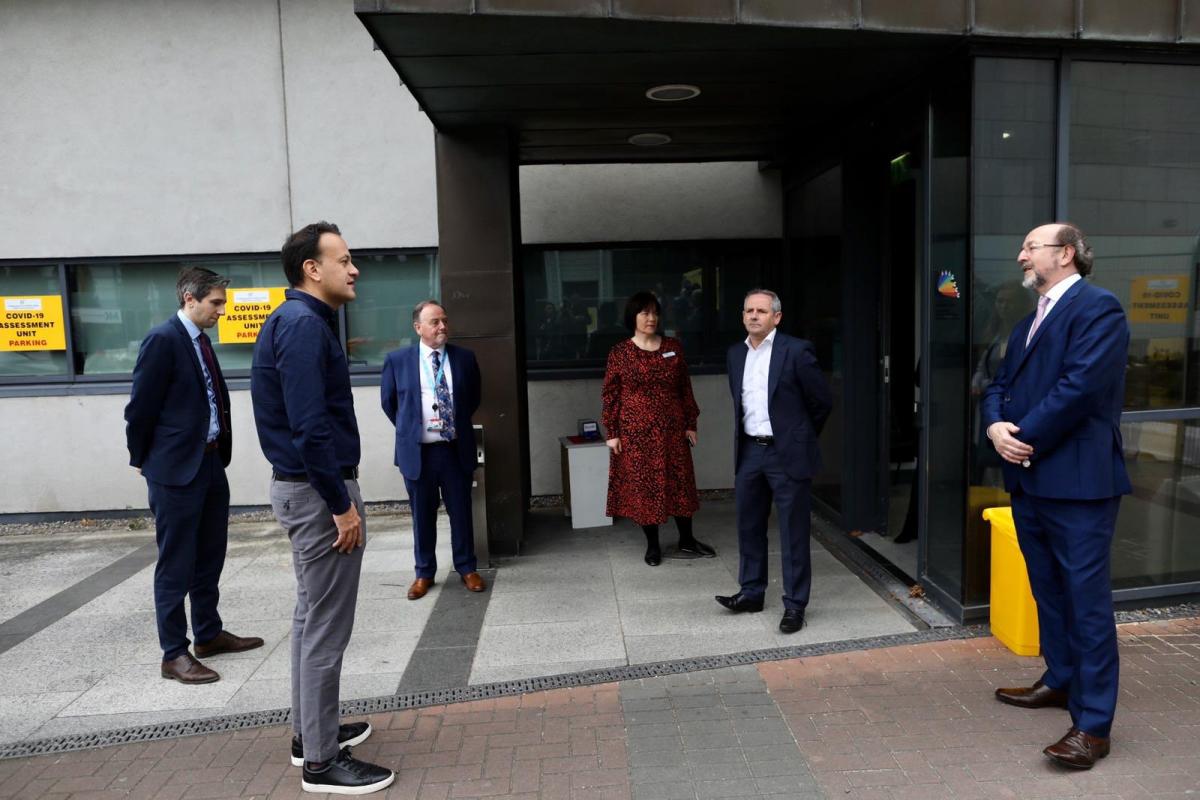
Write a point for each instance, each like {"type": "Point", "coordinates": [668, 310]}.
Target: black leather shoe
{"type": "Point", "coordinates": [345, 774]}
{"type": "Point", "coordinates": [741, 602]}
{"type": "Point", "coordinates": [653, 556]}
{"type": "Point", "coordinates": [697, 549]}
{"type": "Point", "coordinates": [350, 734]}
{"type": "Point", "coordinates": [793, 620]}
{"type": "Point", "coordinates": [1037, 696]}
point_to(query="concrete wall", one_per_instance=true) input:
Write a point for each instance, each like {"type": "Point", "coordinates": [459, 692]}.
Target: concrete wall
{"type": "Point", "coordinates": [153, 127]}
{"type": "Point", "coordinates": [559, 405]}
{"type": "Point", "coordinates": [68, 454]}
{"type": "Point", "coordinates": [639, 202]}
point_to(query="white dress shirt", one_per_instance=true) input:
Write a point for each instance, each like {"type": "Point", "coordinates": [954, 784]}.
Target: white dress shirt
{"type": "Point", "coordinates": [214, 419]}
{"type": "Point", "coordinates": [756, 421]}
{"type": "Point", "coordinates": [429, 394]}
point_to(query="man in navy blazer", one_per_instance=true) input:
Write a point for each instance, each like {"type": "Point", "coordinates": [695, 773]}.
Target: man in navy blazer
{"type": "Point", "coordinates": [780, 403]}
{"type": "Point", "coordinates": [430, 391]}
{"type": "Point", "coordinates": [1053, 413]}
{"type": "Point", "coordinates": [179, 437]}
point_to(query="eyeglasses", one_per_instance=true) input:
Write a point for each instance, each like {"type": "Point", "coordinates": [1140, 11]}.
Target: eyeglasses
{"type": "Point", "coordinates": [1029, 248]}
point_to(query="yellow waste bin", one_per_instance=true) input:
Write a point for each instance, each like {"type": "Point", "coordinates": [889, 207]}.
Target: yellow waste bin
{"type": "Point", "coordinates": [1014, 614]}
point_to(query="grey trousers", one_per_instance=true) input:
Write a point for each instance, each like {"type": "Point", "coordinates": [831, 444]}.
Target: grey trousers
{"type": "Point", "coordinates": [326, 593]}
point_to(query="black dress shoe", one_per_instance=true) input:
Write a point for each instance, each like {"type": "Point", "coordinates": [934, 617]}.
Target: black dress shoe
{"type": "Point", "coordinates": [741, 602]}
{"type": "Point", "coordinates": [349, 734]}
{"type": "Point", "coordinates": [653, 556]}
{"type": "Point", "coordinates": [697, 549]}
{"type": "Point", "coordinates": [345, 774]}
{"type": "Point", "coordinates": [1037, 696]}
{"type": "Point", "coordinates": [793, 620]}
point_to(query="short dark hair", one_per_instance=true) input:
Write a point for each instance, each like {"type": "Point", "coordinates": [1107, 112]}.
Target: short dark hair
{"type": "Point", "coordinates": [419, 307]}
{"type": "Point", "coordinates": [198, 282]}
{"type": "Point", "coordinates": [1070, 234]}
{"type": "Point", "coordinates": [301, 246]}
{"type": "Point", "coordinates": [636, 304]}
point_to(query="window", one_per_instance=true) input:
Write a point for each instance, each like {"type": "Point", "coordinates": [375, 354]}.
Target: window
{"type": "Point", "coordinates": [575, 298]}
{"type": "Point", "coordinates": [380, 320]}
{"type": "Point", "coordinates": [29, 282]}
{"type": "Point", "coordinates": [111, 304]}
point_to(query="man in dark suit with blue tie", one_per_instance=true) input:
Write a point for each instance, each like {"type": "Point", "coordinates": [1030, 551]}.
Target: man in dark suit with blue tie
{"type": "Point", "coordinates": [430, 391]}
{"type": "Point", "coordinates": [780, 403]}
{"type": "Point", "coordinates": [1053, 413]}
{"type": "Point", "coordinates": [178, 433]}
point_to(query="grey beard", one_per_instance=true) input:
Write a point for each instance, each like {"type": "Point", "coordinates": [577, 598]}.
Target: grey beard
{"type": "Point", "coordinates": [1032, 280]}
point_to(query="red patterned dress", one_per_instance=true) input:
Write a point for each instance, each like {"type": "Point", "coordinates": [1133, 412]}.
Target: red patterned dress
{"type": "Point", "coordinates": [648, 404]}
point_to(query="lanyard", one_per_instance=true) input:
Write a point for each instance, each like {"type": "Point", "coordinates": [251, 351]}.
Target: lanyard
{"type": "Point", "coordinates": [435, 380]}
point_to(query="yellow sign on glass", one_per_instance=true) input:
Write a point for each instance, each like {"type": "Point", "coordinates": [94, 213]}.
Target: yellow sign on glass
{"type": "Point", "coordinates": [1159, 298]}
{"type": "Point", "coordinates": [31, 324]}
{"type": "Point", "coordinates": [245, 312]}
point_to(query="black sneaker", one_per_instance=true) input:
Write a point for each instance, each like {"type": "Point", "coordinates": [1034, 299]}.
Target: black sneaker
{"type": "Point", "coordinates": [347, 775]}
{"type": "Point", "coordinates": [349, 735]}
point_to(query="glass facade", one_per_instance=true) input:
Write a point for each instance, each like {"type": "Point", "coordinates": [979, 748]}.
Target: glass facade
{"type": "Point", "coordinates": [111, 304]}
{"type": "Point", "coordinates": [1134, 187]}
{"type": "Point", "coordinates": [575, 298]}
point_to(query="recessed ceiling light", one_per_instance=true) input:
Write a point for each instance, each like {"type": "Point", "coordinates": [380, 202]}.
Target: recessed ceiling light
{"type": "Point", "coordinates": [649, 139]}
{"type": "Point", "coordinates": [673, 92]}
{"type": "Point", "coordinates": [1005, 135]}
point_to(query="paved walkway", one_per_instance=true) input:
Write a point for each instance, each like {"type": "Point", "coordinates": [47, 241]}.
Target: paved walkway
{"type": "Point", "coordinates": [79, 653]}
{"type": "Point", "coordinates": [891, 723]}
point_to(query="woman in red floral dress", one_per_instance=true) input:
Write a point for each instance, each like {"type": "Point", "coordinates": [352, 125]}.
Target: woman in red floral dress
{"type": "Point", "coordinates": [650, 418]}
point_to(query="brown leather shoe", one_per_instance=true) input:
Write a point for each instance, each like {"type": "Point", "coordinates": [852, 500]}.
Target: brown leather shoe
{"type": "Point", "coordinates": [226, 642]}
{"type": "Point", "coordinates": [186, 669]}
{"type": "Point", "coordinates": [1078, 750]}
{"type": "Point", "coordinates": [474, 582]}
{"type": "Point", "coordinates": [419, 588]}
{"type": "Point", "coordinates": [1037, 696]}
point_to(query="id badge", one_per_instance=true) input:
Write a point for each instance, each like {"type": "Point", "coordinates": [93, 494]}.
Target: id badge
{"type": "Point", "coordinates": [435, 425]}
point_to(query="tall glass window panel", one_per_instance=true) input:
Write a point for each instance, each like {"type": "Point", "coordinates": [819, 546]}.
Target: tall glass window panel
{"type": "Point", "coordinates": [575, 298]}
{"type": "Point", "coordinates": [946, 361]}
{"type": "Point", "coordinates": [113, 305]}
{"type": "Point", "coordinates": [1012, 192]}
{"type": "Point", "coordinates": [379, 320]}
{"type": "Point", "coordinates": [1135, 190]}
{"type": "Point", "coordinates": [26, 281]}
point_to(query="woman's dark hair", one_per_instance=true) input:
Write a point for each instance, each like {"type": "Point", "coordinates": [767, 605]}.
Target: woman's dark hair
{"type": "Point", "coordinates": [300, 247]}
{"type": "Point", "coordinates": [639, 302]}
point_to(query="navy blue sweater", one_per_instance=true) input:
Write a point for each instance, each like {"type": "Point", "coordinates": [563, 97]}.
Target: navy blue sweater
{"type": "Point", "coordinates": [300, 387]}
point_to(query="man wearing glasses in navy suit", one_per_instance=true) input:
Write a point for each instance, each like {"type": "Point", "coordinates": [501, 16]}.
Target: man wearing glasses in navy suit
{"type": "Point", "coordinates": [1053, 413]}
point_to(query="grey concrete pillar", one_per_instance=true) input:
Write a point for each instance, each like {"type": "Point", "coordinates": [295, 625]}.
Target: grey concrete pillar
{"type": "Point", "coordinates": [480, 273]}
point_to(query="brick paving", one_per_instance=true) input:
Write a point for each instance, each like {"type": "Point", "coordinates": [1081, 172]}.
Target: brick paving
{"type": "Point", "coordinates": [904, 722]}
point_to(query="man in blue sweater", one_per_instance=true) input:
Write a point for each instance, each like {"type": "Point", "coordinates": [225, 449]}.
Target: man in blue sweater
{"type": "Point", "coordinates": [304, 411]}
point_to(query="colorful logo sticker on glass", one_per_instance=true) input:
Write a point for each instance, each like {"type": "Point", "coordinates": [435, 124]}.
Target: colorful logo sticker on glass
{"type": "Point", "coordinates": [947, 286]}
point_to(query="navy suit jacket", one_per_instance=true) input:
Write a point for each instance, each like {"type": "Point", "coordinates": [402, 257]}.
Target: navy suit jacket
{"type": "Point", "coordinates": [1064, 391]}
{"type": "Point", "coordinates": [798, 402]}
{"type": "Point", "coordinates": [400, 396]}
{"type": "Point", "coordinates": [166, 420]}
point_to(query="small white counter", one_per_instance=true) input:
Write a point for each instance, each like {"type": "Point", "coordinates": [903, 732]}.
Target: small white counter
{"type": "Point", "coordinates": [585, 482]}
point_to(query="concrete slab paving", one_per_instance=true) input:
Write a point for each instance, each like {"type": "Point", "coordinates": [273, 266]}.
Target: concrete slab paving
{"type": "Point", "coordinates": [574, 601]}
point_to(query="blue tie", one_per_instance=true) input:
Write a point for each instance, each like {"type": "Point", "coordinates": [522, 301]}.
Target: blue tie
{"type": "Point", "coordinates": [444, 407]}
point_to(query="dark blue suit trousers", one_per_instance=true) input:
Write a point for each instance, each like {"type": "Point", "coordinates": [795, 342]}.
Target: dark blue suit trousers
{"type": "Point", "coordinates": [192, 533]}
